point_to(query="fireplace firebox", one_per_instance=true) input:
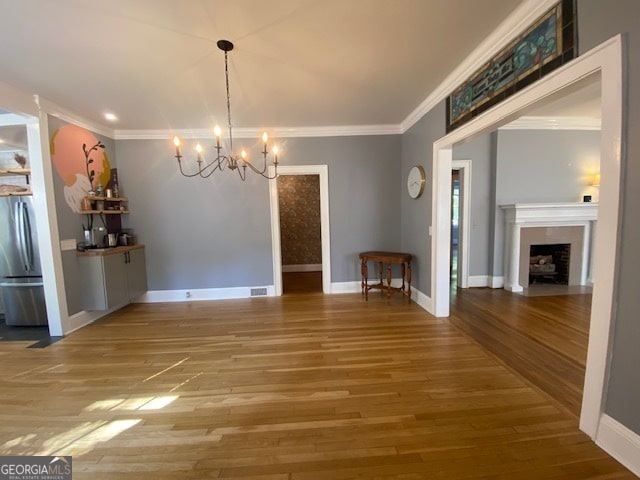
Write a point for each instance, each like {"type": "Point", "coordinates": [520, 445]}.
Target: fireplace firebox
{"type": "Point", "coordinates": [549, 263]}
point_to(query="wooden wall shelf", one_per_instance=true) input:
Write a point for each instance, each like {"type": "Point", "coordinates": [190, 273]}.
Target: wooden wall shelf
{"type": "Point", "coordinates": [15, 171]}
{"type": "Point", "coordinates": [17, 194]}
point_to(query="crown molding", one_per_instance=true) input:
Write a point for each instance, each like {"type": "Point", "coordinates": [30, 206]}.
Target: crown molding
{"type": "Point", "coordinates": [277, 132]}
{"type": "Point", "coordinates": [553, 123]}
{"type": "Point", "coordinates": [62, 113]}
{"type": "Point", "coordinates": [522, 17]}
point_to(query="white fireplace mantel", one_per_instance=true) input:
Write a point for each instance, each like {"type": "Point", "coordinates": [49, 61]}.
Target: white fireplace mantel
{"type": "Point", "coordinates": [523, 215]}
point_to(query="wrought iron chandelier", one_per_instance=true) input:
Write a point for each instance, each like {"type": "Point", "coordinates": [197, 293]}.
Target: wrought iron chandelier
{"type": "Point", "coordinates": [231, 161]}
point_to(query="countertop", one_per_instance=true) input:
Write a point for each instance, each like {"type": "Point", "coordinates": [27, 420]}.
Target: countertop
{"type": "Point", "coordinates": [101, 252]}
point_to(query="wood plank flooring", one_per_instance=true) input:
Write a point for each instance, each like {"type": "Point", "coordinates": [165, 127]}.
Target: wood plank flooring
{"type": "Point", "coordinates": [296, 387]}
{"type": "Point", "coordinates": [543, 338]}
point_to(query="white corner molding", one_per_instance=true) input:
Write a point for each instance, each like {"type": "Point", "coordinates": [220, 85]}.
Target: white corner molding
{"type": "Point", "coordinates": [275, 132]}
{"type": "Point", "coordinates": [521, 18]}
{"type": "Point", "coordinates": [62, 113]}
{"type": "Point", "coordinates": [554, 123]}
{"type": "Point", "coordinates": [619, 442]}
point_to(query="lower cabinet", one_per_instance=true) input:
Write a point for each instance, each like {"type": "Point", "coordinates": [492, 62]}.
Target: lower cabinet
{"type": "Point", "coordinates": [113, 280]}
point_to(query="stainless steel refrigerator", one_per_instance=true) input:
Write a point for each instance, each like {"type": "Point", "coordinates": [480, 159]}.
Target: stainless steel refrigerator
{"type": "Point", "coordinates": [20, 271]}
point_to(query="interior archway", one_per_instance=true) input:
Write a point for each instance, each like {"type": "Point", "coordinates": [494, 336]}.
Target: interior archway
{"type": "Point", "coordinates": [605, 60]}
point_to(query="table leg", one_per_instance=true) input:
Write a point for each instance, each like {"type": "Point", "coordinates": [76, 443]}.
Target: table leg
{"type": "Point", "coordinates": [409, 279]}
{"type": "Point", "coordinates": [365, 275]}
{"type": "Point", "coordinates": [402, 271]}
{"type": "Point", "coordinates": [380, 269]}
{"type": "Point", "coordinates": [389, 280]}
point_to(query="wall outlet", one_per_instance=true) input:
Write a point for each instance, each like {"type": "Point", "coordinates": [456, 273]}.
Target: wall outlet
{"type": "Point", "coordinates": [187, 294]}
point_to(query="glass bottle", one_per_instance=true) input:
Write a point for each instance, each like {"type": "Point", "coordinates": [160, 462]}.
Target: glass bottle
{"type": "Point", "coordinates": [114, 186]}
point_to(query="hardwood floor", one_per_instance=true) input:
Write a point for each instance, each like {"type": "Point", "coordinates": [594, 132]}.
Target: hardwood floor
{"type": "Point", "coordinates": [301, 282]}
{"type": "Point", "coordinates": [543, 338]}
{"type": "Point", "coordinates": [296, 387]}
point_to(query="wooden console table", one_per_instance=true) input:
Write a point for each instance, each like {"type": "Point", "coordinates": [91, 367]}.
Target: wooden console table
{"type": "Point", "coordinates": [404, 259]}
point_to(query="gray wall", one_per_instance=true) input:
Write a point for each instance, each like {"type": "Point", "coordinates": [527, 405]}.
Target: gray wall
{"type": "Point", "coordinates": [599, 21]}
{"type": "Point", "coordinates": [216, 232]}
{"type": "Point", "coordinates": [417, 149]}
{"type": "Point", "coordinates": [546, 165]}
{"type": "Point", "coordinates": [70, 224]}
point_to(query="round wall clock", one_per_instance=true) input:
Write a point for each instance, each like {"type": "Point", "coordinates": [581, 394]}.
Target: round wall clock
{"type": "Point", "coordinates": [415, 181]}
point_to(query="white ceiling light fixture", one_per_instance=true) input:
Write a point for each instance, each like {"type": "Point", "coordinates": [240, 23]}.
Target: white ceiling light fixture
{"type": "Point", "coordinates": [231, 160]}
{"type": "Point", "coordinates": [110, 116]}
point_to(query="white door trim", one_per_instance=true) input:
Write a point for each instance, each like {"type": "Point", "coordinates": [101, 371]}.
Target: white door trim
{"type": "Point", "coordinates": [323, 172]}
{"type": "Point", "coordinates": [606, 60]}
{"type": "Point", "coordinates": [464, 213]}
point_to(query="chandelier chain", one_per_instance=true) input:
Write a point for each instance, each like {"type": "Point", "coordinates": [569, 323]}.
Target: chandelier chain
{"type": "Point", "coordinates": [226, 74]}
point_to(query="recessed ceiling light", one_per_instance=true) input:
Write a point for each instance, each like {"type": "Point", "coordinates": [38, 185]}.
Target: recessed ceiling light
{"type": "Point", "coordinates": [110, 116]}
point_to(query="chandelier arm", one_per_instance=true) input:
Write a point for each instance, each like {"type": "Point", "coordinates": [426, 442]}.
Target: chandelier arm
{"type": "Point", "coordinates": [212, 167]}
{"type": "Point", "coordinates": [188, 175]}
{"type": "Point", "coordinates": [261, 172]}
{"type": "Point", "coordinates": [242, 172]}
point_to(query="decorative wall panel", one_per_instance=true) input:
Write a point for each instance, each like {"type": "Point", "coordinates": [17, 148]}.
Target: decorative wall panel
{"type": "Point", "coordinates": [299, 202]}
{"type": "Point", "coordinates": [547, 44]}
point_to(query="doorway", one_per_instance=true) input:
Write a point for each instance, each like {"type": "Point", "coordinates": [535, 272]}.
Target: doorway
{"type": "Point", "coordinates": [606, 61]}
{"type": "Point", "coordinates": [460, 223]}
{"type": "Point", "coordinates": [300, 233]}
{"type": "Point", "coordinates": [320, 172]}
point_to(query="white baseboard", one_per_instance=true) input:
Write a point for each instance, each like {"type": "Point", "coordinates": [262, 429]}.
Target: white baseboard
{"type": "Point", "coordinates": [346, 287]}
{"type": "Point", "coordinates": [477, 281]}
{"type": "Point", "coordinates": [311, 267]}
{"type": "Point", "coordinates": [198, 294]}
{"type": "Point", "coordinates": [619, 442]}
{"type": "Point", "coordinates": [421, 299]}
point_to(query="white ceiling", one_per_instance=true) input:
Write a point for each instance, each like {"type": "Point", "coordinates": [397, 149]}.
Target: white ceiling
{"type": "Point", "coordinates": [297, 63]}
{"type": "Point", "coordinates": [581, 100]}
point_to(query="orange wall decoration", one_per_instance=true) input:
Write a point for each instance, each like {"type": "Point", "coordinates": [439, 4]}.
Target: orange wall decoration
{"type": "Point", "coordinates": [81, 162]}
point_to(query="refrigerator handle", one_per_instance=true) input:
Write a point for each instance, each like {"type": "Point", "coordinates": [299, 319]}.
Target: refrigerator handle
{"type": "Point", "coordinates": [23, 230]}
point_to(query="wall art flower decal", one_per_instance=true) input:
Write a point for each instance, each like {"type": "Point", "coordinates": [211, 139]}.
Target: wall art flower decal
{"type": "Point", "coordinates": [81, 162]}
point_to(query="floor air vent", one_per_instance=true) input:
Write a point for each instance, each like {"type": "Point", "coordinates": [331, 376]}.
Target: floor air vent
{"type": "Point", "coordinates": [258, 292]}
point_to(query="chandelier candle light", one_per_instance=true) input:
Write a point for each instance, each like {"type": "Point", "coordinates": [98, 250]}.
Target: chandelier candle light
{"type": "Point", "coordinates": [231, 161]}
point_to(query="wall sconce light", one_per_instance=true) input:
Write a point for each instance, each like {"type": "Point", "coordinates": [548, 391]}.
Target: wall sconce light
{"type": "Point", "coordinates": [595, 180]}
